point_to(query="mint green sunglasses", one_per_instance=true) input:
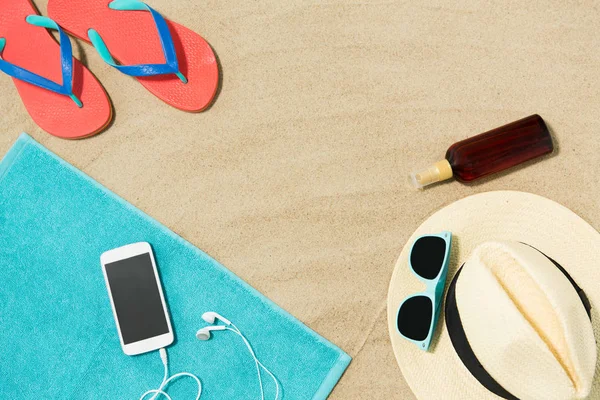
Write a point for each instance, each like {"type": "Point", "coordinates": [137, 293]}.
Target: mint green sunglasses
{"type": "Point", "coordinates": [418, 313]}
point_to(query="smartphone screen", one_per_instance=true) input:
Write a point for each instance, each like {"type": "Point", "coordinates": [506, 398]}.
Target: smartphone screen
{"type": "Point", "coordinates": [136, 297]}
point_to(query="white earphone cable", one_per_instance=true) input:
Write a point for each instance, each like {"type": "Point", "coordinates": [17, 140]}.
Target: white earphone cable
{"type": "Point", "coordinates": [160, 391]}
{"type": "Point", "coordinates": [237, 331]}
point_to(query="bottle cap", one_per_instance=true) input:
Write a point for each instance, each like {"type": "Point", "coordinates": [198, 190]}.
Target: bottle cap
{"type": "Point", "coordinates": [440, 171]}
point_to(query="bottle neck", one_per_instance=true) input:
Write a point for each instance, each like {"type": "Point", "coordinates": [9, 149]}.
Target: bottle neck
{"type": "Point", "coordinates": [440, 171]}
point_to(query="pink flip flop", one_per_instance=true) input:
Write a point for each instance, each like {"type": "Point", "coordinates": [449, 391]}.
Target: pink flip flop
{"type": "Point", "coordinates": [174, 63]}
{"type": "Point", "coordinates": [60, 94]}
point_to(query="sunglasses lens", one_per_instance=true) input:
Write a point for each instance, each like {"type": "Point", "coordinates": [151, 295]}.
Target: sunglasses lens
{"type": "Point", "coordinates": [427, 256]}
{"type": "Point", "coordinates": [414, 317]}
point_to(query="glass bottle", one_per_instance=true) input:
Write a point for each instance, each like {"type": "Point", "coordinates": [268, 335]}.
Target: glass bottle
{"type": "Point", "coordinates": [490, 152]}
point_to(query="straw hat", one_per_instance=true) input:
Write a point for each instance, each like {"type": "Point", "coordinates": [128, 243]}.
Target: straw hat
{"type": "Point", "coordinates": [525, 324]}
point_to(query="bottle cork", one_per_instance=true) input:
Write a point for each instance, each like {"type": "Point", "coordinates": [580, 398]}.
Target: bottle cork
{"type": "Point", "coordinates": [440, 171]}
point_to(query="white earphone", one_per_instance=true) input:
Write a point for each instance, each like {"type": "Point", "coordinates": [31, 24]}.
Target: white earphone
{"type": "Point", "coordinates": [204, 333]}
{"type": "Point", "coordinates": [212, 317]}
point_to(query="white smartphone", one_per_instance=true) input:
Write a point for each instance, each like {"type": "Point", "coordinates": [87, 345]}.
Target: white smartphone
{"type": "Point", "coordinates": [137, 298]}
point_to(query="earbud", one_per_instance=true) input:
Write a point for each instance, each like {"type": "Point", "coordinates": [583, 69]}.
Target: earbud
{"type": "Point", "coordinates": [204, 333]}
{"type": "Point", "coordinates": [211, 317]}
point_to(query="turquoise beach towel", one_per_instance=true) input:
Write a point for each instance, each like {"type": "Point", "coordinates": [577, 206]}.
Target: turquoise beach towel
{"type": "Point", "coordinates": [58, 336]}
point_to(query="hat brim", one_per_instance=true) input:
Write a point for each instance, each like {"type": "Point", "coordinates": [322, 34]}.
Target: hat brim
{"type": "Point", "coordinates": [503, 215]}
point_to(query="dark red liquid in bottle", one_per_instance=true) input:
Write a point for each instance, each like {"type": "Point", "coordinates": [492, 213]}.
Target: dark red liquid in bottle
{"type": "Point", "coordinates": [490, 152]}
{"type": "Point", "coordinates": [500, 148]}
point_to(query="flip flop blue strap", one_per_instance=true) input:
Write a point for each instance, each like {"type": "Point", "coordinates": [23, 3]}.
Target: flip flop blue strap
{"type": "Point", "coordinates": [66, 60]}
{"type": "Point", "coordinates": [171, 66]}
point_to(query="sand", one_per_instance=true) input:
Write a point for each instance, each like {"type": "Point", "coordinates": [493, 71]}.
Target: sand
{"type": "Point", "coordinates": [295, 178]}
